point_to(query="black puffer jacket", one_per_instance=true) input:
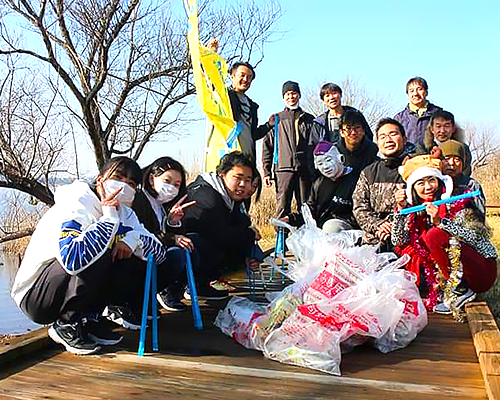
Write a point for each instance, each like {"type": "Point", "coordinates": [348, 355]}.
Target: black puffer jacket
{"type": "Point", "coordinates": [211, 218]}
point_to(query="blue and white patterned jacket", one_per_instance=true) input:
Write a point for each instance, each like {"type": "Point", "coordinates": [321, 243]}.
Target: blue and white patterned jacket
{"type": "Point", "coordinates": [77, 231]}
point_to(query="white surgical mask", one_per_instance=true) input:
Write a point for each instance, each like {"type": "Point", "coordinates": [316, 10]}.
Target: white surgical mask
{"type": "Point", "coordinates": [166, 191]}
{"type": "Point", "coordinates": [125, 196]}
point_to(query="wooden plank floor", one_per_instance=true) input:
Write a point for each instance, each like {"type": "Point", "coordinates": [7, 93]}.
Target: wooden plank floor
{"type": "Point", "coordinates": [209, 365]}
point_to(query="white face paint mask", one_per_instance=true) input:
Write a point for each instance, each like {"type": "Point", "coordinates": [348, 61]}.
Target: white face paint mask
{"type": "Point", "coordinates": [331, 164]}
{"type": "Point", "coordinates": [166, 191]}
{"type": "Point", "coordinates": [125, 196]}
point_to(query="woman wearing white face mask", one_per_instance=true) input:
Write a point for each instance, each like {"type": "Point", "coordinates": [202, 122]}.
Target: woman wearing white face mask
{"type": "Point", "coordinates": [87, 252]}
{"type": "Point", "coordinates": [160, 207]}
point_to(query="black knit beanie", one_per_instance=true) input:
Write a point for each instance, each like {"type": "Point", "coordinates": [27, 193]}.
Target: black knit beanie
{"type": "Point", "coordinates": [290, 85]}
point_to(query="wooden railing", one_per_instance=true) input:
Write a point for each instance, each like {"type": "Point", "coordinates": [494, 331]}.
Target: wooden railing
{"type": "Point", "coordinates": [493, 205]}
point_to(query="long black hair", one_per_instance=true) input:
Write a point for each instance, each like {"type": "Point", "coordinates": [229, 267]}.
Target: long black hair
{"type": "Point", "coordinates": [439, 192]}
{"type": "Point", "coordinates": [157, 168]}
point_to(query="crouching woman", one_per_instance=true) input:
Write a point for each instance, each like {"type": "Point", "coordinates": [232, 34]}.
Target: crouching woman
{"type": "Point", "coordinates": [160, 207]}
{"type": "Point", "coordinates": [450, 237]}
{"type": "Point", "coordinates": [86, 253]}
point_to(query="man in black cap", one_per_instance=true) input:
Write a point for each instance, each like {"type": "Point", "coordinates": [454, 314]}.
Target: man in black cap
{"type": "Point", "coordinates": [285, 158]}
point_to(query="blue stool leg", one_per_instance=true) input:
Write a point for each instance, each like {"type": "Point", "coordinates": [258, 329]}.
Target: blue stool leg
{"type": "Point", "coordinates": [279, 248]}
{"type": "Point", "coordinates": [154, 305]}
{"type": "Point", "coordinates": [251, 283]}
{"type": "Point", "coordinates": [195, 306]}
{"type": "Point", "coordinates": [144, 319]}
{"type": "Point", "coordinates": [283, 256]}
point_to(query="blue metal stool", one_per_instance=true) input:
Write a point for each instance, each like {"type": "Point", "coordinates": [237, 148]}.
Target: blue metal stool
{"type": "Point", "coordinates": [195, 306]}
{"type": "Point", "coordinates": [279, 251]}
{"type": "Point", "coordinates": [149, 287]}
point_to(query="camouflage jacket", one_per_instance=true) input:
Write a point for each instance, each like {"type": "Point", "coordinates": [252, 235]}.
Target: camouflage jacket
{"type": "Point", "coordinates": [373, 198]}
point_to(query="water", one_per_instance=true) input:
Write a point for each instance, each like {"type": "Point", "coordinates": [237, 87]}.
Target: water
{"type": "Point", "coordinates": [12, 320]}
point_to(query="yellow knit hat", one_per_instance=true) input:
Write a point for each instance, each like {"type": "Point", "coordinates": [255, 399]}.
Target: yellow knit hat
{"type": "Point", "coordinates": [417, 162]}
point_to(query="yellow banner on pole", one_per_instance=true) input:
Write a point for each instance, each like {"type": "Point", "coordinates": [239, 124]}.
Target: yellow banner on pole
{"type": "Point", "coordinates": [209, 71]}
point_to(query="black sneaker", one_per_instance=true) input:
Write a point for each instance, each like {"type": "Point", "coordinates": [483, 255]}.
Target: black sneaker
{"type": "Point", "coordinates": [170, 302]}
{"type": "Point", "coordinates": [73, 337]}
{"type": "Point", "coordinates": [206, 292]}
{"type": "Point", "coordinates": [461, 288]}
{"type": "Point", "coordinates": [122, 316]}
{"type": "Point", "coordinates": [99, 332]}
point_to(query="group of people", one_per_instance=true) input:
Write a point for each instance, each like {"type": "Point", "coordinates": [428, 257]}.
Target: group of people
{"type": "Point", "coordinates": [86, 260]}
{"type": "Point", "coordinates": [352, 179]}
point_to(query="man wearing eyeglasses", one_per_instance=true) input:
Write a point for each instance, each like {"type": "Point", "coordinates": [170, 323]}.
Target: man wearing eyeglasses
{"type": "Point", "coordinates": [358, 150]}
{"type": "Point", "coordinates": [326, 127]}
{"type": "Point", "coordinates": [373, 197]}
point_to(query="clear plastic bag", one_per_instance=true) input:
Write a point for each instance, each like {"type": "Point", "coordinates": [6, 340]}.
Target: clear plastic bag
{"type": "Point", "coordinates": [370, 315]}
{"type": "Point", "coordinates": [237, 318]}
{"type": "Point", "coordinates": [312, 335]}
{"type": "Point", "coordinates": [305, 342]}
{"type": "Point", "coordinates": [414, 317]}
{"type": "Point", "coordinates": [346, 239]}
{"type": "Point", "coordinates": [310, 246]}
{"type": "Point", "coordinates": [277, 312]}
{"type": "Point", "coordinates": [337, 274]}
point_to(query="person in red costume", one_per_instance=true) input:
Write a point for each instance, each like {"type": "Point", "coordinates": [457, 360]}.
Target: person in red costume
{"type": "Point", "coordinates": [427, 236]}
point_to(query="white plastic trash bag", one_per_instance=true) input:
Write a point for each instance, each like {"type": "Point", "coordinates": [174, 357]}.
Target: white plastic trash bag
{"type": "Point", "coordinates": [237, 318]}
{"type": "Point", "coordinates": [414, 317]}
{"type": "Point", "coordinates": [338, 273]}
{"type": "Point", "coordinates": [305, 342]}
{"type": "Point", "coordinates": [277, 312]}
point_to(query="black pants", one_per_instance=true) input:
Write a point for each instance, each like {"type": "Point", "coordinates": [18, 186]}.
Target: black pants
{"type": "Point", "coordinates": [214, 260]}
{"type": "Point", "coordinates": [288, 184]}
{"type": "Point", "coordinates": [57, 294]}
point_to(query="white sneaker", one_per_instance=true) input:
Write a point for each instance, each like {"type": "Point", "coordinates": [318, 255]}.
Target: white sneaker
{"type": "Point", "coordinates": [467, 297]}
{"type": "Point", "coordinates": [442, 308]}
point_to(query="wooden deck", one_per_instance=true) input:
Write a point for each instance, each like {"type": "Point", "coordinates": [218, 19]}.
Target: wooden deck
{"type": "Point", "coordinates": [441, 363]}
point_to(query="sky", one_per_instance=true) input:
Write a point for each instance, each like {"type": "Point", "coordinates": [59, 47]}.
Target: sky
{"type": "Point", "coordinates": [453, 44]}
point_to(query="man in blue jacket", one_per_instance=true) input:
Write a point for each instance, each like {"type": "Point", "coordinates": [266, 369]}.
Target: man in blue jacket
{"type": "Point", "coordinates": [417, 114]}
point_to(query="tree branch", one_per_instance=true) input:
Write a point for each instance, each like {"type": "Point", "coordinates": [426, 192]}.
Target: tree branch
{"type": "Point", "coordinates": [16, 235]}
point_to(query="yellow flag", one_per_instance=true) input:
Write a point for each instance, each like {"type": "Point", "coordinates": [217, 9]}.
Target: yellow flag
{"type": "Point", "coordinates": [209, 71]}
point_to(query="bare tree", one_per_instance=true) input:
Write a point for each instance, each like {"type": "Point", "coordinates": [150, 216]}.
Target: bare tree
{"type": "Point", "coordinates": [31, 137]}
{"type": "Point", "coordinates": [374, 106]}
{"type": "Point", "coordinates": [483, 142]}
{"type": "Point", "coordinates": [124, 64]}
{"type": "Point", "coordinates": [18, 219]}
